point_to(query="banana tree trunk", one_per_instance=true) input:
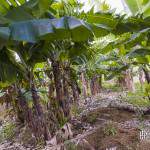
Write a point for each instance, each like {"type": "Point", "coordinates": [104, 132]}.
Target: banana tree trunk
{"type": "Point", "coordinates": [61, 97]}
{"type": "Point", "coordinates": [16, 102]}
{"type": "Point", "coordinates": [95, 85]}
{"type": "Point", "coordinates": [129, 81]}
{"type": "Point", "coordinates": [84, 85]}
{"type": "Point", "coordinates": [22, 110]}
{"type": "Point", "coordinates": [58, 83]}
{"type": "Point", "coordinates": [141, 78]}
{"type": "Point", "coordinates": [51, 95]}
{"type": "Point", "coordinates": [51, 88]}
{"type": "Point", "coordinates": [66, 78]}
{"type": "Point", "coordinates": [41, 126]}
{"type": "Point", "coordinates": [75, 90]}
{"type": "Point", "coordinates": [126, 81]}
{"type": "Point", "coordinates": [26, 113]}
{"type": "Point", "coordinates": [74, 86]}
{"type": "Point", "coordinates": [147, 75]}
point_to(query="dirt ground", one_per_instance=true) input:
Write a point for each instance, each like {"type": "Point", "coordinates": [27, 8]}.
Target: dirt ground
{"type": "Point", "coordinates": [114, 129]}
{"type": "Point", "coordinates": [96, 127]}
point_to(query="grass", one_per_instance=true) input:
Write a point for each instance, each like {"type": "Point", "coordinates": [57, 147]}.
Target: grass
{"type": "Point", "coordinates": [75, 110]}
{"type": "Point", "coordinates": [139, 97]}
{"type": "Point", "coordinates": [111, 86]}
{"type": "Point", "coordinates": [138, 101]}
{"type": "Point", "coordinates": [110, 129]}
{"type": "Point", "coordinates": [70, 145]}
{"type": "Point", "coordinates": [7, 131]}
{"type": "Point", "coordinates": [92, 118]}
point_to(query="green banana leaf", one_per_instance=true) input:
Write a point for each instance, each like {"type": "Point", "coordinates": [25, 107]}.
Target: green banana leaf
{"type": "Point", "coordinates": [141, 52]}
{"type": "Point", "coordinates": [139, 7]}
{"type": "Point", "coordinates": [49, 29]}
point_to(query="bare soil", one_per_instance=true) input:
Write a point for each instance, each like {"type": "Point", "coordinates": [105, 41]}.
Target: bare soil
{"type": "Point", "coordinates": [98, 128]}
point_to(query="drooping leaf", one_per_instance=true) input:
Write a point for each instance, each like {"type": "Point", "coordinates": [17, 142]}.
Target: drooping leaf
{"type": "Point", "coordinates": [139, 7]}
{"type": "Point", "coordinates": [50, 29]}
{"type": "Point", "coordinates": [4, 36]}
{"type": "Point", "coordinates": [8, 72]}
{"type": "Point", "coordinates": [141, 52]}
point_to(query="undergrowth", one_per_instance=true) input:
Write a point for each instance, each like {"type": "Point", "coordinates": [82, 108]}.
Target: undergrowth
{"type": "Point", "coordinates": [110, 129]}
{"type": "Point", "coordinates": [140, 97]}
{"type": "Point", "coordinates": [7, 131]}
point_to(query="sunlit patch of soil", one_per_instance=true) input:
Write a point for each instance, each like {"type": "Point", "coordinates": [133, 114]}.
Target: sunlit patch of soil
{"type": "Point", "coordinates": [113, 129]}
{"type": "Point", "coordinates": [98, 115]}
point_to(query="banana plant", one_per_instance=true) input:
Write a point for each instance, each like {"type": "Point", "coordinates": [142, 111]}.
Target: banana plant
{"type": "Point", "coordinates": [33, 32]}
{"type": "Point", "coordinates": [23, 79]}
{"type": "Point", "coordinates": [139, 7]}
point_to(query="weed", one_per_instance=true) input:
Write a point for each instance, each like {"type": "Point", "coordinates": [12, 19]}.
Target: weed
{"type": "Point", "coordinates": [7, 131]}
{"type": "Point", "coordinates": [75, 110]}
{"type": "Point", "coordinates": [92, 118]}
{"type": "Point", "coordinates": [110, 129]}
{"type": "Point", "coordinates": [138, 98]}
{"type": "Point", "coordinates": [70, 145]}
{"type": "Point", "coordinates": [112, 87]}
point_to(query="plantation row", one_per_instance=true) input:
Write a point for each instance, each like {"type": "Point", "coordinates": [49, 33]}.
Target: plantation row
{"type": "Point", "coordinates": [50, 52]}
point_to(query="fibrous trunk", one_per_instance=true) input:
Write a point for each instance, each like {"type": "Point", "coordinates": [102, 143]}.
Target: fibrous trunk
{"type": "Point", "coordinates": [26, 112]}
{"type": "Point", "coordinates": [39, 119]}
{"type": "Point", "coordinates": [147, 75]}
{"type": "Point", "coordinates": [126, 81]}
{"type": "Point", "coordinates": [84, 85]}
{"type": "Point", "coordinates": [66, 78]}
{"type": "Point", "coordinates": [61, 91]}
{"type": "Point", "coordinates": [75, 91]}
{"type": "Point", "coordinates": [95, 85]}
{"type": "Point", "coordinates": [141, 78]}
